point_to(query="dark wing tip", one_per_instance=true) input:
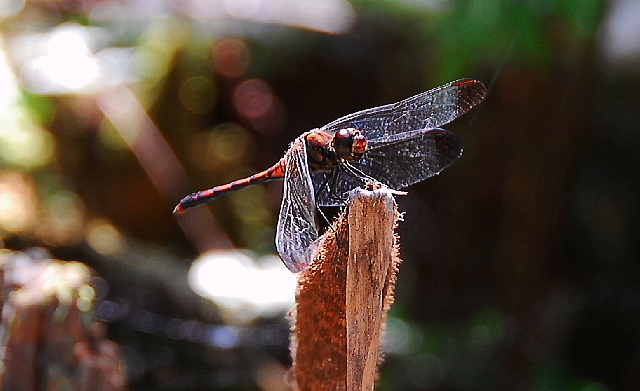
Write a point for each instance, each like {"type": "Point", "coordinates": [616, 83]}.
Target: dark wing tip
{"type": "Point", "coordinates": [449, 146]}
{"type": "Point", "coordinates": [470, 92]}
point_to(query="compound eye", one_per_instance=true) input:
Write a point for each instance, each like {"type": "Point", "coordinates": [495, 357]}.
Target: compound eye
{"type": "Point", "coordinates": [344, 133]}
{"type": "Point", "coordinates": [359, 146]}
{"type": "Point", "coordinates": [342, 142]}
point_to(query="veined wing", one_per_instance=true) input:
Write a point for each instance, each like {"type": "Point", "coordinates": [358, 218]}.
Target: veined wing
{"type": "Point", "coordinates": [404, 159]}
{"type": "Point", "coordinates": [397, 161]}
{"type": "Point", "coordinates": [297, 229]}
{"type": "Point", "coordinates": [430, 109]}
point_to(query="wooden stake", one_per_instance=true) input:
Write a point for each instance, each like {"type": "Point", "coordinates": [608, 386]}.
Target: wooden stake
{"type": "Point", "coordinates": [343, 298]}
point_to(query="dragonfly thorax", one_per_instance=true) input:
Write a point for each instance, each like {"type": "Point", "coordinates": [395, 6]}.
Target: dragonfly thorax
{"type": "Point", "coordinates": [326, 149]}
{"type": "Point", "coordinates": [320, 153]}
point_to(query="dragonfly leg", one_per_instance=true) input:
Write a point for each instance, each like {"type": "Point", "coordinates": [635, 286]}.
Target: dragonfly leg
{"type": "Point", "coordinates": [355, 173]}
{"type": "Point", "coordinates": [325, 183]}
{"type": "Point", "coordinates": [326, 219]}
{"type": "Point", "coordinates": [333, 187]}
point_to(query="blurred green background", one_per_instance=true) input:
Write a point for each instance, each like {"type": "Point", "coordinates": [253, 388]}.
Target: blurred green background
{"type": "Point", "coordinates": [521, 261]}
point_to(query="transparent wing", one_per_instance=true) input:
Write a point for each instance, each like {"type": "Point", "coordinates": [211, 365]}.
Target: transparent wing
{"type": "Point", "coordinates": [397, 161]}
{"type": "Point", "coordinates": [297, 229]}
{"type": "Point", "coordinates": [402, 160]}
{"type": "Point", "coordinates": [428, 110]}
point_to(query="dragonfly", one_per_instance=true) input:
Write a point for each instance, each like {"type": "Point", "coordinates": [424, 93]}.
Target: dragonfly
{"type": "Point", "coordinates": [395, 145]}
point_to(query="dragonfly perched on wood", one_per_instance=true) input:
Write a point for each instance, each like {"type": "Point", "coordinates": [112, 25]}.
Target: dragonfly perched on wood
{"type": "Point", "coordinates": [397, 145]}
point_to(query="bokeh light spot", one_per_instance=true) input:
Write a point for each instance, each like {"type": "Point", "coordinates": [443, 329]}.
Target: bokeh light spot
{"type": "Point", "coordinates": [250, 197]}
{"type": "Point", "coordinates": [87, 292]}
{"type": "Point", "coordinates": [329, 16]}
{"type": "Point", "coordinates": [67, 64]}
{"type": "Point", "coordinates": [620, 37]}
{"type": "Point", "coordinates": [100, 287]}
{"type": "Point", "coordinates": [191, 330]}
{"type": "Point", "coordinates": [198, 94]}
{"type": "Point", "coordinates": [64, 218]}
{"type": "Point", "coordinates": [228, 141]}
{"type": "Point", "coordinates": [224, 337]}
{"type": "Point", "coordinates": [159, 43]}
{"type": "Point", "coordinates": [398, 336]}
{"type": "Point", "coordinates": [243, 288]}
{"type": "Point", "coordinates": [17, 200]}
{"type": "Point", "coordinates": [104, 238]}
{"type": "Point", "coordinates": [253, 98]}
{"type": "Point", "coordinates": [22, 142]}
{"type": "Point", "coordinates": [231, 57]}
{"type": "Point", "coordinates": [108, 311]}
{"type": "Point", "coordinates": [28, 147]}
{"type": "Point", "coordinates": [83, 305]}
{"type": "Point", "coordinates": [11, 7]}
{"type": "Point", "coordinates": [224, 143]}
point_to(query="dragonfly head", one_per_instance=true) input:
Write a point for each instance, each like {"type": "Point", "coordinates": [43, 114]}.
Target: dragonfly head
{"type": "Point", "coordinates": [349, 144]}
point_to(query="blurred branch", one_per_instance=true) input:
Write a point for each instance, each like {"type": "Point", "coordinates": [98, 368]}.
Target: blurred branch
{"type": "Point", "coordinates": [48, 341]}
{"type": "Point", "coordinates": [157, 158]}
